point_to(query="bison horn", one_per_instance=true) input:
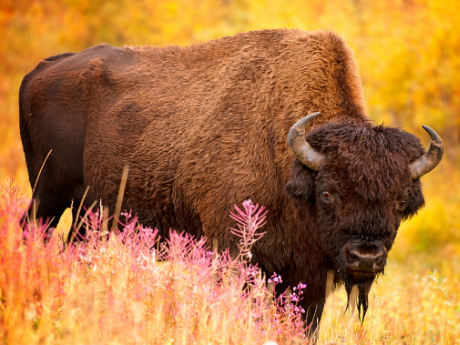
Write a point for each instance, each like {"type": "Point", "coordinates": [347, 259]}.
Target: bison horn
{"type": "Point", "coordinates": [302, 150]}
{"type": "Point", "coordinates": [429, 160]}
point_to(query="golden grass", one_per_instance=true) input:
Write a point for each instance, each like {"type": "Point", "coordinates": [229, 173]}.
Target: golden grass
{"type": "Point", "coordinates": [406, 307]}
{"type": "Point", "coordinates": [120, 294]}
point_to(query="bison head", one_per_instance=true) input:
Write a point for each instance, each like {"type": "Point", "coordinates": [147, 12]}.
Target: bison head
{"type": "Point", "coordinates": [356, 182]}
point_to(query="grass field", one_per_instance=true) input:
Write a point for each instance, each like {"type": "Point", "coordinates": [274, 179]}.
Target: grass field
{"type": "Point", "coordinates": [123, 292]}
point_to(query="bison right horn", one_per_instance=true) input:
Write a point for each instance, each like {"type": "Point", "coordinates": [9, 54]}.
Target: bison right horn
{"type": "Point", "coordinates": [429, 160]}
{"type": "Point", "coordinates": [301, 149]}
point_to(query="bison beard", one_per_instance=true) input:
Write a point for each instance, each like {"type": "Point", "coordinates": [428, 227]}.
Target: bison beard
{"type": "Point", "coordinates": [362, 302]}
{"type": "Point", "coordinates": [357, 287]}
{"type": "Point", "coordinates": [204, 127]}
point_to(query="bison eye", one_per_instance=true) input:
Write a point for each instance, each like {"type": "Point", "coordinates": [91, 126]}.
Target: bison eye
{"type": "Point", "coordinates": [401, 205]}
{"type": "Point", "coordinates": [327, 197]}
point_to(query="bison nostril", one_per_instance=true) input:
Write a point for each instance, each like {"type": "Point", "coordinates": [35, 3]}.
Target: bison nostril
{"type": "Point", "coordinates": [379, 262]}
{"type": "Point", "coordinates": [352, 257]}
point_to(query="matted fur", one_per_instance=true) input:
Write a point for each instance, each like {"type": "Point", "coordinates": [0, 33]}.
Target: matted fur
{"type": "Point", "coordinates": [204, 127]}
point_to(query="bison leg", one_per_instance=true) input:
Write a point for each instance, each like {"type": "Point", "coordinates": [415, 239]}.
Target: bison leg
{"type": "Point", "coordinates": [54, 193]}
{"type": "Point", "coordinates": [47, 208]}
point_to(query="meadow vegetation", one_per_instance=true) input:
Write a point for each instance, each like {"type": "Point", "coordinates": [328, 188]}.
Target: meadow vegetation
{"type": "Point", "coordinates": [130, 288]}
{"type": "Point", "coordinates": [407, 51]}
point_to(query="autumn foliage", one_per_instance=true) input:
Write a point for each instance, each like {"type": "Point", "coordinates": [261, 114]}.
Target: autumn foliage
{"type": "Point", "coordinates": [408, 54]}
{"type": "Point", "coordinates": [407, 51]}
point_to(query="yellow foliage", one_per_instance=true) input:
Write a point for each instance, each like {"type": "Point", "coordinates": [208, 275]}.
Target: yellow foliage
{"type": "Point", "coordinates": [407, 50]}
{"type": "Point", "coordinates": [409, 57]}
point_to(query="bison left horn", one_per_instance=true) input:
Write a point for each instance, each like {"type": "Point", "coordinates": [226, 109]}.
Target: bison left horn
{"type": "Point", "coordinates": [429, 160]}
{"type": "Point", "coordinates": [302, 150]}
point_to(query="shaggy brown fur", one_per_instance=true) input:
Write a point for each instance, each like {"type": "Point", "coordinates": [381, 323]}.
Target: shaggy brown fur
{"type": "Point", "coordinates": [205, 126]}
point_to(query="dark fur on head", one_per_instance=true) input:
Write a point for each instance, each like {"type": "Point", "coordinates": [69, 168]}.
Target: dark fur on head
{"type": "Point", "coordinates": [369, 189]}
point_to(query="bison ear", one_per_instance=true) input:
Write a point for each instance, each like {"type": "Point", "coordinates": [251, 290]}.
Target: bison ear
{"type": "Point", "coordinates": [302, 183]}
{"type": "Point", "coordinates": [415, 201]}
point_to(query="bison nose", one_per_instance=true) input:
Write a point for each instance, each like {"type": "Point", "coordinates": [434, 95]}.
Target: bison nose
{"type": "Point", "coordinates": [365, 258]}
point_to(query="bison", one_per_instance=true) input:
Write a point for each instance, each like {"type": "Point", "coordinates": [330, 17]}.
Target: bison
{"type": "Point", "coordinates": [207, 126]}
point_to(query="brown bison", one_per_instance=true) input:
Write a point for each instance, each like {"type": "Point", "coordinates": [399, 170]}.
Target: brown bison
{"type": "Point", "coordinates": [207, 126]}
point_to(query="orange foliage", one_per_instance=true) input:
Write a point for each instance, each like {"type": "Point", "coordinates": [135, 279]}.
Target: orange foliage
{"type": "Point", "coordinates": [408, 52]}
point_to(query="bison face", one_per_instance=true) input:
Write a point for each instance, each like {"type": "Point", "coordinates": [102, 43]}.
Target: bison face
{"type": "Point", "coordinates": [355, 194]}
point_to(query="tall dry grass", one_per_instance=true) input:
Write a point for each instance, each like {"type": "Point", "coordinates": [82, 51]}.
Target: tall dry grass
{"type": "Point", "coordinates": [407, 306]}
{"type": "Point", "coordinates": [134, 289]}
{"type": "Point", "coordinates": [407, 51]}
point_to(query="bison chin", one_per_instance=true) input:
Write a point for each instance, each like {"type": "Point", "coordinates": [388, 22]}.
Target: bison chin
{"type": "Point", "coordinates": [358, 288]}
